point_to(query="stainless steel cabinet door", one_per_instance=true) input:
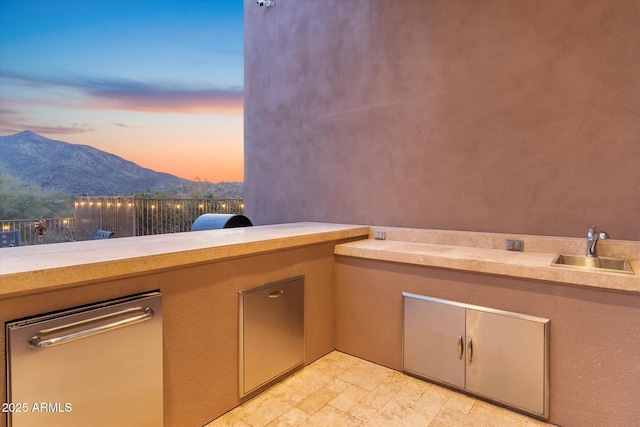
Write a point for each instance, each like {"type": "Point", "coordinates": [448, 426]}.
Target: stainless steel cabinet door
{"type": "Point", "coordinates": [432, 340]}
{"type": "Point", "coordinates": [506, 359]}
{"type": "Point", "coordinates": [271, 332]}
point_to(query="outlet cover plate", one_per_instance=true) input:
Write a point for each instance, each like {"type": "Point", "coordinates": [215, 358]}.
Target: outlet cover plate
{"type": "Point", "coordinates": [514, 245]}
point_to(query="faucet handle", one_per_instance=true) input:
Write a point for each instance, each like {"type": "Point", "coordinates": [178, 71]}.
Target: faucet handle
{"type": "Point", "coordinates": [603, 235]}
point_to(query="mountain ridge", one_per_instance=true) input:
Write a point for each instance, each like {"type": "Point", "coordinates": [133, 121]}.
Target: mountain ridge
{"type": "Point", "coordinates": [80, 169]}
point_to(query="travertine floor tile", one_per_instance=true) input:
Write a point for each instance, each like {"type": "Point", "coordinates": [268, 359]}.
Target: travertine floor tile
{"type": "Point", "coordinates": [448, 417]}
{"type": "Point", "coordinates": [381, 394]}
{"type": "Point", "coordinates": [337, 385]}
{"type": "Point", "coordinates": [489, 414]}
{"type": "Point", "coordinates": [363, 411]}
{"type": "Point", "coordinates": [261, 410]}
{"type": "Point", "coordinates": [315, 401]}
{"type": "Point", "coordinates": [460, 402]}
{"type": "Point", "coordinates": [342, 390]}
{"type": "Point", "coordinates": [330, 416]}
{"type": "Point", "coordinates": [292, 418]}
{"type": "Point", "coordinates": [365, 375]}
{"type": "Point", "coordinates": [308, 382]}
{"type": "Point", "coordinates": [340, 359]}
{"type": "Point", "coordinates": [396, 415]}
{"type": "Point", "coordinates": [432, 401]}
{"type": "Point", "coordinates": [327, 367]}
{"type": "Point", "coordinates": [348, 398]}
{"type": "Point", "coordinates": [228, 420]}
{"type": "Point", "coordinates": [287, 394]}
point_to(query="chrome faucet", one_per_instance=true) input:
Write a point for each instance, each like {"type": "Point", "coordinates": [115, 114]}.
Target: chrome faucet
{"type": "Point", "coordinates": [592, 241]}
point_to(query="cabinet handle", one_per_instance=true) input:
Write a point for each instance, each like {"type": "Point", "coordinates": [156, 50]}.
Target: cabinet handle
{"type": "Point", "coordinates": [145, 314]}
{"type": "Point", "coordinates": [276, 294]}
{"type": "Point", "coordinates": [460, 347]}
{"type": "Point", "coordinates": [469, 350]}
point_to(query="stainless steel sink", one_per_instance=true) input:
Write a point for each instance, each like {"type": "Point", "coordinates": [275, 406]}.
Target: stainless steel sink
{"type": "Point", "coordinates": [593, 263]}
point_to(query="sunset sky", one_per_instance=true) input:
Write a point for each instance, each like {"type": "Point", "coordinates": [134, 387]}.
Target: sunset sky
{"type": "Point", "coordinates": [157, 82]}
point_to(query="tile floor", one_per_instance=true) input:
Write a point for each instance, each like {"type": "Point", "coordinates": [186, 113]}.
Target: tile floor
{"type": "Point", "coordinates": [342, 390]}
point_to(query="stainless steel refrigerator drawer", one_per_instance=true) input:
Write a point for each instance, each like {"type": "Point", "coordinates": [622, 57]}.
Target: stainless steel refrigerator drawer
{"type": "Point", "coordinates": [271, 333]}
{"type": "Point", "coordinates": [98, 365]}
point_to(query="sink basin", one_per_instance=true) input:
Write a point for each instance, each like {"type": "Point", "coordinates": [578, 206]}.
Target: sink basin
{"type": "Point", "coordinates": [593, 263]}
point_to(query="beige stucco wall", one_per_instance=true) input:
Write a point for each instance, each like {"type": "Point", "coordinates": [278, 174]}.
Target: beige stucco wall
{"type": "Point", "coordinates": [200, 322]}
{"type": "Point", "coordinates": [594, 341]}
{"type": "Point", "coordinates": [505, 116]}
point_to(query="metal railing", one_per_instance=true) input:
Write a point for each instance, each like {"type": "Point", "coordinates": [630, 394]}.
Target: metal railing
{"type": "Point", "coordinates": [55, 230]}
{"type": "Point", "coordinates": [126, 216]}
{"type": "Point", "coordinates": [133, 216]}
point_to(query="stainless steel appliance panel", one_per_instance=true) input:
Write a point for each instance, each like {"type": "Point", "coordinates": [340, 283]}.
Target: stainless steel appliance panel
{"type": "Point", "coordinates": [271, 332]}
{"type": "Point", "coordinates": [99, 366]}
{"type": "Point", "coordinates": [433, 336]}
{"type": "Point", "coordinates": [506, 359]}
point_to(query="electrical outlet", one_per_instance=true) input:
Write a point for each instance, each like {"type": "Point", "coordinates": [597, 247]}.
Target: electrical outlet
{"type": "Point", "coordinates": [515, 245]}
{"type": "Point", "coordinates": [380, 235]}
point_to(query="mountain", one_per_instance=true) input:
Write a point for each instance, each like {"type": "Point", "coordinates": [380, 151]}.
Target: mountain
{"type": "Point", "coordinates": [79, 169]}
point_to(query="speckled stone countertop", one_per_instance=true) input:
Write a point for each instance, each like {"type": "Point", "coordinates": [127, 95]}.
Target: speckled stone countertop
{"type": "Point", "coordinates": [485, 253]}
{"type": "Point", "coordinates": [29, 269]}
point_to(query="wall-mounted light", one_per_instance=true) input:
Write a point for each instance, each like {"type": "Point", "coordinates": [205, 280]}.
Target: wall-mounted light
{"type": "Point", "coordinates": [267, 3]}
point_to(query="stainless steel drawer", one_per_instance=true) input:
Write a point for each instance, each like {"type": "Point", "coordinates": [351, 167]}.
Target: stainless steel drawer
{"type": "Point", "coordinates": [99, 365]}
{"type": "Point", "coordinates": [271, 333]}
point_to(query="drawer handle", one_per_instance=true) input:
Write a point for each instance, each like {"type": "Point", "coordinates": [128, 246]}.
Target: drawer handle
{"type": "Point", "coordinates": [460, 347]}
{"type": "Point", "coordinates": [469, 350]}
{"type": "Point", "coordinates": [146, 314]}
{"type": "Point", "coordinates": [276, 294]}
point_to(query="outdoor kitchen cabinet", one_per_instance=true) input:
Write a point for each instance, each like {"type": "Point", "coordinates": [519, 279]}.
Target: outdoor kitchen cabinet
{"type": "Point", "coordinates": [271, 333]}
{"type": "Point", "coordinates": [495, 354]}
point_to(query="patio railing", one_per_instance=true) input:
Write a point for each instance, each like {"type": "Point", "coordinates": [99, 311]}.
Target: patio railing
{"type": "Point", "coordinates": [132, 216]}
{"type": "Point", "coordinates": [126, 216]}
{"type": "Point", "coordinates": [56, 230]}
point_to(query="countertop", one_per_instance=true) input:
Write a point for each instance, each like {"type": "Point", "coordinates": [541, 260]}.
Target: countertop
{"type": "Point", "coordinates": [528, 265]}
{"type": "Point", "coordinates": [39, 268]}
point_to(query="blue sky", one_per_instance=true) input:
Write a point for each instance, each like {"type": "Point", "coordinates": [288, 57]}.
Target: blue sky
{"type": "Point", "coordinates": [158, 82]}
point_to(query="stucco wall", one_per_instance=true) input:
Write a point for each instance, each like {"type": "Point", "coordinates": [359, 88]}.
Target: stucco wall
{"type": "Point", "coordinates": [594, 342]}
{"type": "Point", "coordinates": [504, 116]}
